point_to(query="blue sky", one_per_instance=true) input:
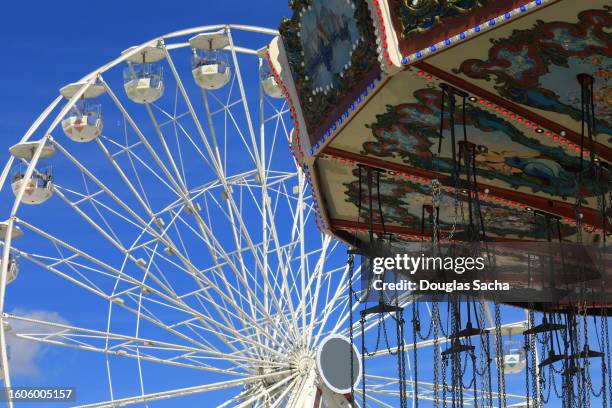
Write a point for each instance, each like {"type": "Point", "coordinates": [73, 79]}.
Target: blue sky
{"type": "Point", "coordinates": [50, 44]}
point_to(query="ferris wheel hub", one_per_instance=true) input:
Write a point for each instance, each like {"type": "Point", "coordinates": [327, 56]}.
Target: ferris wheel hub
{"type": "Point", "coordinates": [304, 364]}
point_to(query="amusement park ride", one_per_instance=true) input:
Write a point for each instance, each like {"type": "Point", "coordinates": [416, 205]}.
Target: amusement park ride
{"type": "Point", "coordinates": [429, 122]}
{"type": "Point", "coordinates": [473, 121]}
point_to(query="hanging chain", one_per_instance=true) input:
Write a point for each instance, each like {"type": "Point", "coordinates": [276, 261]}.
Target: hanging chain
{"type": "Point", "coordinates": [436, 353]}
{"type": "Point", "coordinates": [499, 356]}
{"type": "Point", "coordinates": [415, 329]}
{"type": "Point", "coordinates": [363, 378]}
{"type": "Point", "coordinates": [351, 268]}
{"type": "Point", "coordinates": [607, 351]}
{"type": "Point", "coordinates": [436, 193]}
{"type": "Point", "coordinates": [533, 347]}
{"type": "Point", "coordinates": [444, 385]}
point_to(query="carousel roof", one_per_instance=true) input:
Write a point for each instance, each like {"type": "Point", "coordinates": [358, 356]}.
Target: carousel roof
{"type": "Point", "coordinates": [364, 82]}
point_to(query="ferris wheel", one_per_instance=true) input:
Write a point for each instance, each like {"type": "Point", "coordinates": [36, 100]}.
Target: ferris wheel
{"type": "Point", "coordinates": [159, 194]}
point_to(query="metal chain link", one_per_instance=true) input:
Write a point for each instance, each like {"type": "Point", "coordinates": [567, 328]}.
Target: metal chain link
{"type": "Point", "coordinates": [501, 376]}
{"type": "Point", "coordinates": [436, 354]}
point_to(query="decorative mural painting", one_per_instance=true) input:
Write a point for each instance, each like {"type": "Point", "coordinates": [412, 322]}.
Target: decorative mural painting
{"type": "Point", "coordinates": [418, 16]}
{"type": "Point", "coordinates": [328, 35]}
{"type": "Point", "coordinates": [331, 48]}
{"type": "Point", "coordinates": [411, 132]}
{"type": "Point", "coordinates": [532, 66]}
{"type": "Point", "coordinates": [402, 202]}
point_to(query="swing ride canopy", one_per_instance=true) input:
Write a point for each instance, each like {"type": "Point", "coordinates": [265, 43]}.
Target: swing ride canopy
{"type": "Point", "coordinates": [363, 80]}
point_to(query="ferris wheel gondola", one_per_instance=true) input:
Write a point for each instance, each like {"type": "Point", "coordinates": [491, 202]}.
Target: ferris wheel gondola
{"type": "Point", "coordinates": [83, 123]}
{"type": "Point", "coordinates": [143, 77]}
{"type": "Point", "coordinates": [210, 65]}
{"type": "Point", "coordinates": [13, 262]}
{"type": "Point", "coordinates": [269, 83]}
{"type": "Point", "coordinates": [39, 186]}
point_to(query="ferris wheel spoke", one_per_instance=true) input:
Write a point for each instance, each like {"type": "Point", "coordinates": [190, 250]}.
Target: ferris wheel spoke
{"type": "Point", "coordinates": [282, 397]}
{"type": "Point", "coordinates": [200, 130]}
{"type": "Point", "coordinates": [278, 118]}
{"type": "Point", "coordinates": [207, 231]}
{"type": "Point", "coordinates": [102, 231]}
{"type": "Point", "coordinates": [181, 392]}
{"type": "Point", "coordinates": [151, 319]}
{"type": "Point", "coordinates": [97, 205]}
{"type": "Point", "coordinates": [251, 295]}
{"type": "Point", "coordinates": [184, 360]}
{"type": "Point", "coordinates": [137, 219]}
{"type": "Point", "coordinates": [245, 284]}
{"type": "Point", "coordinates": [78, 337]}
{"type": "Point", "coordinates": [244, 233]}
{"type": "Point", "coordinates": [316, 278]}
{"type": "Point", "coordinates": [248, 116]}
{"type": "Point", "coordinates": [231, 203]}
{"type": "Point", "coordinates": [180, 177]}
{"type": "Point", "coordinates": [331, 309]}
{"type": "Point", "coordinates": [129, 152]}
{"type": "Point", "coordinates": [228, 332]}
{"type": "Point", "coordinates": [225, 108]}
{"type": "Point", "coordinates": [339, 308]}
{"type": "Point", "coordinates": [110, 271]}
{"type": "Point", "coordinates": [158, 161]}
{"type": "Point", "coordinates": [266, 391]}
{"type": "Point", "coordinates": [176, 120]}
{"type": "Point", "coordinates": [175, 302]}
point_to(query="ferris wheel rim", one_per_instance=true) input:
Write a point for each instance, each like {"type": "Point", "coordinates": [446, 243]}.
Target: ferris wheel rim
{"type": "Point", "coordinates": [126, 54]}
{"type": "Point", "coordinates": [40, 144]}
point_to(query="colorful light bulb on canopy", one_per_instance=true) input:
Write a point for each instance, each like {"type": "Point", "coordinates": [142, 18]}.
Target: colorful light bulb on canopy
{"type": "Point", "coordinates": [365, 89]}
{"type": "Point", "coordinates": [268, 82]}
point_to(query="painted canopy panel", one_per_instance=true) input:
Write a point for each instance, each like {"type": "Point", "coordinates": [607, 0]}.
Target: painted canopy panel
{"type": "Point", "coordinates": [401, 125]}
{"type": "Point", "coordinates": [402, 202]}
{"type": "Point", "coordinates": [331, 52]}
{"type": "Point", "coordinates": [534, 61]}
{"type": "Point", "coordinates": [421, 23]}
{"type": "Point", "coordinates": [522, 112]}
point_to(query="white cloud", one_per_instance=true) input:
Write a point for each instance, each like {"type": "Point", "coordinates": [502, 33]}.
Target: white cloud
{"type": "Point", "coordinates": [24, 355]}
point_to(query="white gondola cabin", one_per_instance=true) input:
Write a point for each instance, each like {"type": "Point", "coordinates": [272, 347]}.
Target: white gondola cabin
{"type": "Point", "coordinates": [13, 268]}
{"type": "Point", "coordinates": [38, 188]}
{"type": "Point", "coordinates": [515, 358]}
{"type": "Point", "coordinates": [16, 232]}
{"type": "Point", "coordinates": [143, 78]}
{"type": "Point", "coordinates": [13, 263]}
{"type": "Point", "coordinates": [84, 120]}
{"type": "Point", "coordinates": [266, 77]}
{"type": "Point", "coordinates": [210, 67]}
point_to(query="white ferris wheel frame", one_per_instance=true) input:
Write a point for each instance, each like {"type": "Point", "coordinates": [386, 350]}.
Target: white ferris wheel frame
{"type": "Point", "coordinates": [291, 387]}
